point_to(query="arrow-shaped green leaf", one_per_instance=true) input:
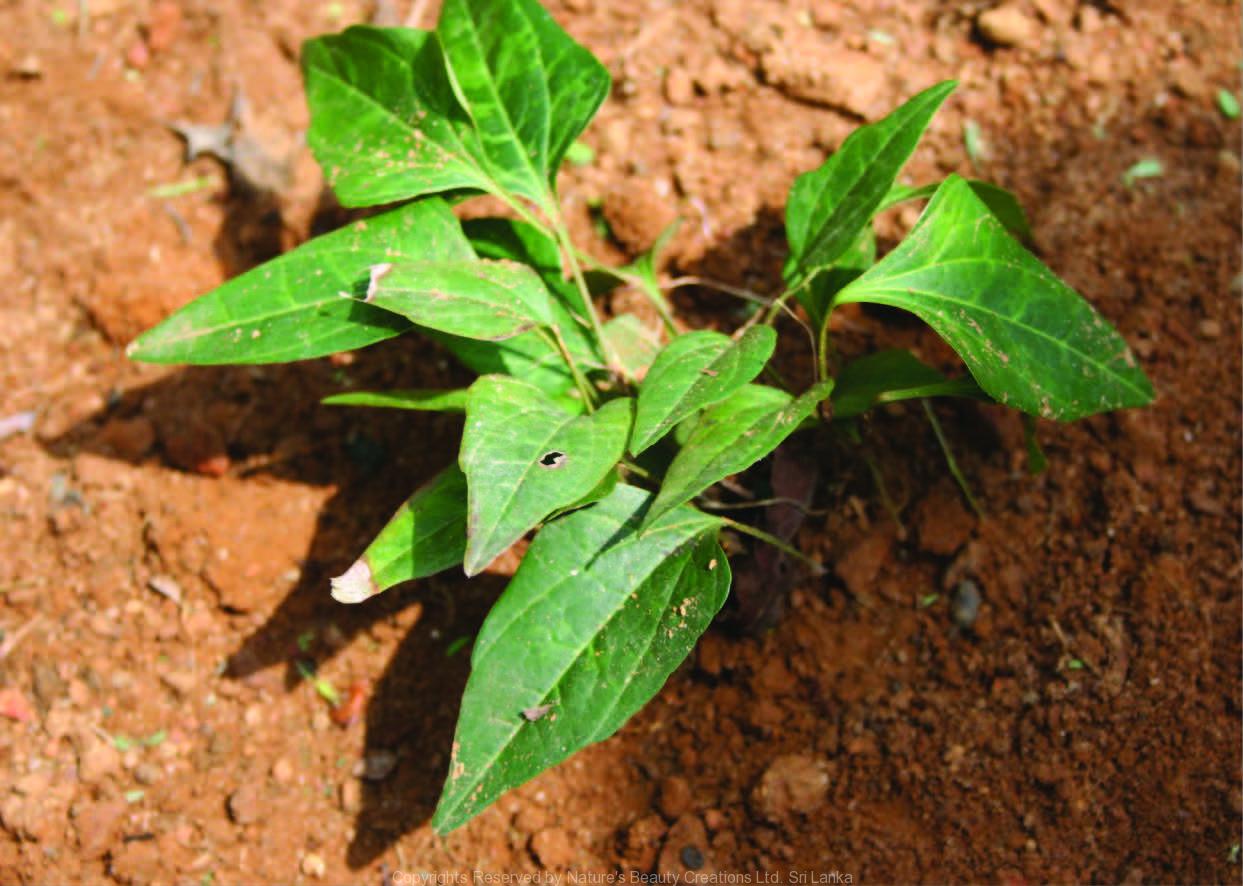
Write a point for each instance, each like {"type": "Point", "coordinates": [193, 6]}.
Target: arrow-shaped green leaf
{"type": "Point", "coordinates": [1029, 339]}
{"type": "Point", "coordinates": [830, 205]}
{"type": "Point", "coordinates": [427, 535]}
{"type": "Point", "coordinates": [527, 86]}
{"type": "Point", "coordinates": [595, 620]}
{"type": "Point", "coordinates": [525, 457]}
{"type": "Point", "coordinates": [694, 371]}
{"type": "Point", "coordinates": [487, 300]}
{"type": "Point", "coordinates": [291, 308]}
{"type": "Point", "coordinates": [732, 436]}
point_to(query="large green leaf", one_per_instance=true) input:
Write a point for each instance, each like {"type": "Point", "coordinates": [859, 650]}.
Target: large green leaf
{"type": "Point", "coordinates": [732, 436]}
{"type": "Point", "coordinates": [887, 376]}
{"type": "Point", "coordinates": [489, 300]}
{"type": "Point", "coordinates": [1029, 340]}
{"type": "Point", "coordinates": [594, 622]}
{"type": "Point", "coordinates": [527, 86]}
{"type": "Point", "coordinates": [385, 123]}
{"type": "Point", "coordinates": [829, 206]}
{"type": "Point", "coordinates": [694, 371]}
{"type": "Point", "coordinates": [427, 535]}
{"type": "Point", "coordinates": [291, 308]}
{"type": "Point", "coordinates": [525, 457]}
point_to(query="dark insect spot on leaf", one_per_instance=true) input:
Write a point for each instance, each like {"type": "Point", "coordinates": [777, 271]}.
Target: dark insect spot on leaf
{"type": "Point", "coordinates": [552, 460]}
{"type": "Point", "coordinates": [536, 713]}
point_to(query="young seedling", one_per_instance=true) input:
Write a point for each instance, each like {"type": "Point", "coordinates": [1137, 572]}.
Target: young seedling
{"type": "Point", "coordinates": [581, 430]}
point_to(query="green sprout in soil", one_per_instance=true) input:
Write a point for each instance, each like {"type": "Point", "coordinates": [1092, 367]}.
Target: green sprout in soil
{"type": "Point", "coordinates": [578, 428]}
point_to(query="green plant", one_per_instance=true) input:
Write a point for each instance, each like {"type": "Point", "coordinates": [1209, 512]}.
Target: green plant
{"type": "Point", "coordinates": [578, 428]}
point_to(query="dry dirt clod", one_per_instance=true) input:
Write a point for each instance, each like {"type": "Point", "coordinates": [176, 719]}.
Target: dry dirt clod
{"type": "Point", "coordinates": [313, 865]}
{"type": "Point", "coordinates": [244, 805]}
{"type": "Point", "coordinates": [97, 760]}
{"type": "Point", "coordinates": [685, 850]}
{"type": "Point", "coordinates": [553, 848]}
{"type": "Point", "coordinates": [675, 797]}
{"type": "Point", "coordinates": [97, 825]}
{"type": "Point", "coordinates": [793, 783]}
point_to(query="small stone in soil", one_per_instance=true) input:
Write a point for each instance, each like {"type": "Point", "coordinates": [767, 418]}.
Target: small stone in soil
{"type": "Point", "coordinates": [675, 797]}
{"type": "Point", "coordinates": [965, 604]}
{"type": "Point", "coordinates": [692, 857]}
{"type": "Point", "coordinates": [378, 765]}
{"type": "Point", "coordinates": [244, 805]}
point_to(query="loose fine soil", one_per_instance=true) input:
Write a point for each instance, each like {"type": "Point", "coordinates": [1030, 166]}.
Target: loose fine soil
{"type": "Point", "coordinates": [168, 533]}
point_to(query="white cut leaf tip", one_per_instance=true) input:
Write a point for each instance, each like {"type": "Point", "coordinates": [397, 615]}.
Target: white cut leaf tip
{"type": "Point", "coordinates": [355, 584]}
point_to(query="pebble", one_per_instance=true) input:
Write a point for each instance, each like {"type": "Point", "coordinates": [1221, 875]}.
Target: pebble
{"type": "Point", "coordinates": [377, 765]}
{"type": "Point", "coordinates": [965, 603]}
{"type": "Point", "coordinates": [146, 773]}
{"type": "Point", "coordinates": [244, 805]}
{"type": "Point", "coordinates": [351, 796]}
{"type": "Point", "coordinates": [181, 682]}
{"type": "Point", "coordinates": [553, 848]}
{"type": "Point", "coordinates": [1210, 329]}
{"type": "Point", "coordinates": [1007, 26]}
{"type": "Point", "coordinates": [684, 851]}
{"type": "Point", "coordinates": [793, 783]}
{"type": "Point", "coordinates": [47, 684]}
{"type": "Point", "coordinates": [313, 865]}
{"type": "Point", "coordinates": [282, 771]}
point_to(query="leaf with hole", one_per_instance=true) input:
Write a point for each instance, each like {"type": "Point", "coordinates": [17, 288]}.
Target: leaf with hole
{"type": "Point", "coordinates": [417, 399]}
{"type": "Point", "coordinates": [889, 376]}
{"type": "Point", "coordinates": [732, 436]}
{"type": "Point", "coordinates": [829, 206]}
{"type": "Point", "coordinates": [1030, 341]}
{"type": "Point", "coordinates": [594, 622]}
{"type": "Point", "coordinates": [694, 371]}
{"type": "Point", "coordinates": [525, 457]}
{"type": "Point", "coordinates": [427, 535]}
{"type": "Point", "coordinates": [291, 308]}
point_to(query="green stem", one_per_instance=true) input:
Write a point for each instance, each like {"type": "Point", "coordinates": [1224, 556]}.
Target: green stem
{"type": "Point", "coordinates": [774, 541]}
{"type": "Point", "coordinates": [576, 271]}
{"type": "Point", "coordinates": [824, 351]}
{"type": "Point", "coordinates": [552, 335]}
{"type": "Point", "coordinates": [949, 457]}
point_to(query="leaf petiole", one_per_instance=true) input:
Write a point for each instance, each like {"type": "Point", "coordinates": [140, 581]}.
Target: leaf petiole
{"type": "Point", "coordinates": [770, 539]}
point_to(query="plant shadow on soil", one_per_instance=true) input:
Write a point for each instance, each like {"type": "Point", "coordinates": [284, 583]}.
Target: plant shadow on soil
{"type": "Point", "coordinates": [247, 414]}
